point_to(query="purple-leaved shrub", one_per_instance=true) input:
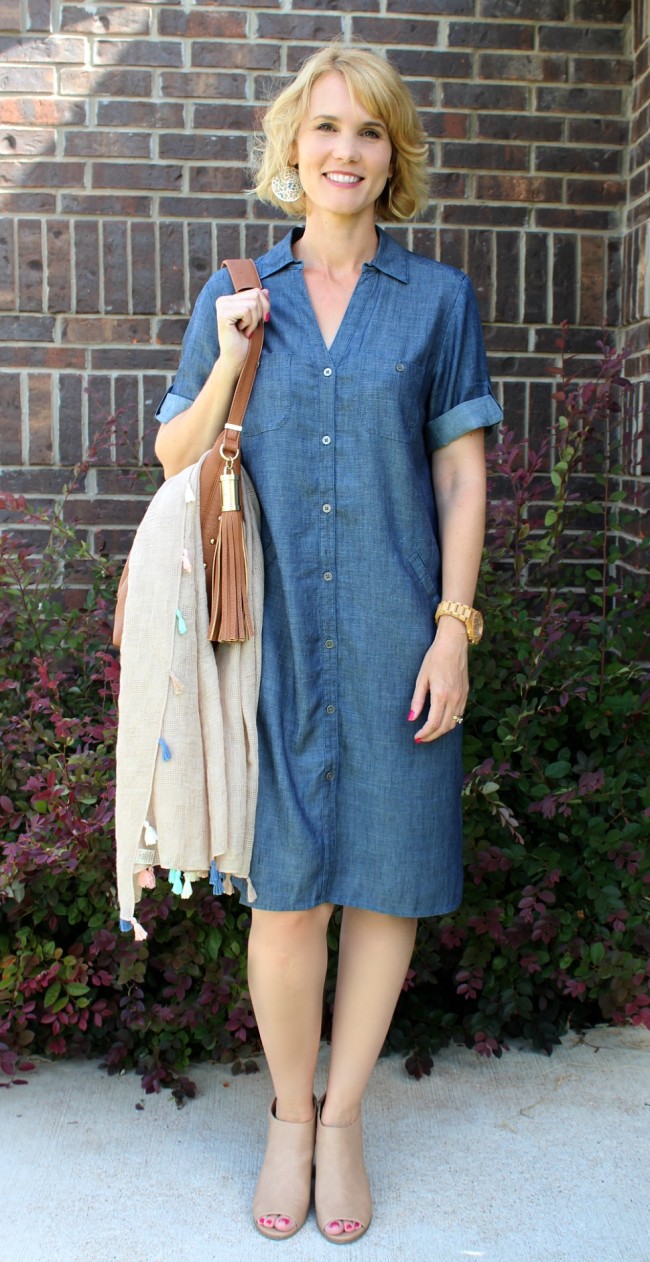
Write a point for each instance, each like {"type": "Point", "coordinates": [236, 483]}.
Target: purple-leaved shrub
{"type": "Point", "coordinates": [553, 930]}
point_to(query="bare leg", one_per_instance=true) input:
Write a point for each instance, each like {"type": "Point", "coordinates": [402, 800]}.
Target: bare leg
{"type": "Point", "coordinates": [374, 955]}
{"type": "Point", "coordinates": [287, 962]}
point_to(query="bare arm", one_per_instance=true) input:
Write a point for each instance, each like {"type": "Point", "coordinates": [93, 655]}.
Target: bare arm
{"type": "Point", "coordinates": [458, 472]}
{"type": "Point", "coordinates": [181, 441]}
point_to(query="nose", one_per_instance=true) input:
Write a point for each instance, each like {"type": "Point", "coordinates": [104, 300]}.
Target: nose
{"type": "Point", "coordinates": [346, 148]}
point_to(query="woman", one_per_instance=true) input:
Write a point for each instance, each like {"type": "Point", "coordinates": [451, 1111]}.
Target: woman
{"type": "Point", "coordinates": [373, 362]}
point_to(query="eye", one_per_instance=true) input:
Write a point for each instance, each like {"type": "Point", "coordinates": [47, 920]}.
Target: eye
{"type": "Point", "coordinates": [325, 127]}
{"type": "Point", "coordinates": [371, 131]}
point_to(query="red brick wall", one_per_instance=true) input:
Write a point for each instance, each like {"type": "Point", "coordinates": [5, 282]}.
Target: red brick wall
{"type": "Point", "coordinates": [125, 130]}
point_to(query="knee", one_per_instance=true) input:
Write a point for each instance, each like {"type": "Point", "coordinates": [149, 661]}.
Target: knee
{"type": "Point", "coordinates": [286, 935]}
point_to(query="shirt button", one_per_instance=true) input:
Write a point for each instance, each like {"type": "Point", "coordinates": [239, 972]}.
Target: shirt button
{"type": "Point", "coordinates": [329, 709]}
{"type": "Point", "coordinates": [399, 367]}
{"type": "Point", "coordinates": [328, 576]}
{"type": "Point", "coordinates": [327, 372]}
{"type": "Point", "coordinates": [330, 775]}
{"type": "Point", "coordinates": [327, 508]}
{"type": "Point", "coordinates": [329, 644]}
{"type": "Point", "coordinates": [326, 440]}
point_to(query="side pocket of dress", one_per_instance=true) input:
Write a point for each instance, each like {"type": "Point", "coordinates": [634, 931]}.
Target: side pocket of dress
{"type": "Point", "coordinates": [423, 572]}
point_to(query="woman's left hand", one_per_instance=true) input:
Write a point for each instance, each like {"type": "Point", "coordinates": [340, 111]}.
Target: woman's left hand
{"type": "Point", "coordinates": [443, 675]}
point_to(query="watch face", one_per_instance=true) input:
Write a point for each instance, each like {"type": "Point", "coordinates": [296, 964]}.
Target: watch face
{"type": "Point", "coordinates": [475, 626]}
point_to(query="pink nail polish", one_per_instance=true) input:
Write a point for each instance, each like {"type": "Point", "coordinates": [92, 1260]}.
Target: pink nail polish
{"type": "Point", "coordinates": [267, 317]}
{"type": "Point", "coordinates": [411, 715]}
{"type": "Point", "coordinates": [418, 740]}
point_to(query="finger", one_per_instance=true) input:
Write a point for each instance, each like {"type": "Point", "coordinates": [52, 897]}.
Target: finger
{"type": "Point", "coordinates": [434, 721]}
{"type": "Point", "coordinates": [260, 308]}
{"type": "Point", "coordinates": [251, 315]}
{"type": "Point", "coordinates": [260, 312]}
{"type": "Point", "coordinates": [441, 718]}
{"type": "Point", "coordinates": [243, 310]}
{"type": "Point", "coordinates": [419, 697]}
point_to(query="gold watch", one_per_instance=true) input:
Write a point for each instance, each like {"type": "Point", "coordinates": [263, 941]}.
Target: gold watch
{"type": "Point", "coordinates": [471, 617]}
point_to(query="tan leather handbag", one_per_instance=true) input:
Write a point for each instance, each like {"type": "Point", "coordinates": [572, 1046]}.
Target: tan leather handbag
{"type": "Point", "coordinates": [224, 553]}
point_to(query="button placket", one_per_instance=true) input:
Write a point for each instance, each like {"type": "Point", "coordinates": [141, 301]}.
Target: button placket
{"type": "Point", "coordinates": [327, 603]}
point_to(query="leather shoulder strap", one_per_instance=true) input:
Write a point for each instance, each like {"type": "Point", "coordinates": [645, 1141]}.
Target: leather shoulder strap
{"type": "Point", "coordinates": [243, 274]}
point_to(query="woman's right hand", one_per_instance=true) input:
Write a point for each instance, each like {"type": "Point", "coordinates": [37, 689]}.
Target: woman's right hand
{"type": "Point", "coordinates": [237, 316]}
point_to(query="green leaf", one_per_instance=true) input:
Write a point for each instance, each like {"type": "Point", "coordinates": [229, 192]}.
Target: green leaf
{"type": "Point", "coordinates": [550, 519]}
{"type": "Point", "coordinates": [213, 943]}
{"type": "Point", "coordinates": [76, 988]}
{"type": "Point", "coordinates": [51, 994]}
{"type": "Point", "coordinates": [556, 770]}
{"type": "Point", "coordinates": [597, 952]}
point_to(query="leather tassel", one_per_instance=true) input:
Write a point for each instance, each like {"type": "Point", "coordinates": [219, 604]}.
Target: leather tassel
{"type": "Point", "coordinates": [230, 619]}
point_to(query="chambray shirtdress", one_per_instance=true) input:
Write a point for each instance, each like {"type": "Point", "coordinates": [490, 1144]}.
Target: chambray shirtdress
{"type": "Point", "coordinates": [337, 442]}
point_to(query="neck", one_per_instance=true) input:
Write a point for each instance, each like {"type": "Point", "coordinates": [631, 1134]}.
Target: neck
{"type": "Point", "coordinates": [334, 243]}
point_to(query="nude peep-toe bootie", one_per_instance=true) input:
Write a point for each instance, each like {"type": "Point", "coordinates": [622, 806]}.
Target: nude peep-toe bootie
{"type": "Point", "coordinates": [284, 1183]}
{"type": "Point", "coordinates": [342, 1187]}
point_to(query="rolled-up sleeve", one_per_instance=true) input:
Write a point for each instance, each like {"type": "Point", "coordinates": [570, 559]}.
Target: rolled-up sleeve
{"type": "Point", "coordinates": [461, 396]}
{"type": "Point", "coordinates": [199, 351]}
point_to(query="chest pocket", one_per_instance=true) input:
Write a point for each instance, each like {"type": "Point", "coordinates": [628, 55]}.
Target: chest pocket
{"type": "Point", "coordinates": [389, 401]}
{"type": "Point", "coordinates": [270, 402]}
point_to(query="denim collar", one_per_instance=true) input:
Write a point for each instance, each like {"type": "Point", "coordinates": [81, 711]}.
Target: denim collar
{"type": "Point", "coordinates": [391, 258]}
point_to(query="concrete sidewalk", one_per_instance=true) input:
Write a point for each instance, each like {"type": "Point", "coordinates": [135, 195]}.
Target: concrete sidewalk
{"type": "Point", "coordinates": [524, 1159]}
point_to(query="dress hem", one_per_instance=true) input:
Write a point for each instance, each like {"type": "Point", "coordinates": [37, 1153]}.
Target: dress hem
{"type": "Point", "coordinates": [406, 915]}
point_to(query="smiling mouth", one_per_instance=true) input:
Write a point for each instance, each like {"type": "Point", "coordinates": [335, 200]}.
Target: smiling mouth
{"type": "Point", "coordinates": [348, 181]}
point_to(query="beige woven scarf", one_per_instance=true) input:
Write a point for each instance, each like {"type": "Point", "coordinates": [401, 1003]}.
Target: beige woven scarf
{"type": "Point", "coordinates": [187, 765]}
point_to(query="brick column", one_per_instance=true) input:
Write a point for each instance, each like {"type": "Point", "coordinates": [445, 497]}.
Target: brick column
{"type": "Point", "coordinates": [636, 270]}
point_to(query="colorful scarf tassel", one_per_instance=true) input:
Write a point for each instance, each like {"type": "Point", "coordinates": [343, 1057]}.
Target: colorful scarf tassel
{"type": "Point", "coordinates": [215, 879]}
{"type": "Point", "coordinates": [166, 751]}
{"type": "Point", "coordinates": [176, 684]}
{"type": "Point", "coordinates": [175, 880]}
{"type": "Point", "coordinates": [127, 925]}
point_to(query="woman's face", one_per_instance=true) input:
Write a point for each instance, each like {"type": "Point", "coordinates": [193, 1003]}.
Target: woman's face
{"type": "Point", "coordinates": [343, 155]}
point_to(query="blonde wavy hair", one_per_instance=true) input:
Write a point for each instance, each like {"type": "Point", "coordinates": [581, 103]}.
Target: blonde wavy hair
{"type": "Point", "coordinates": [376, 85]}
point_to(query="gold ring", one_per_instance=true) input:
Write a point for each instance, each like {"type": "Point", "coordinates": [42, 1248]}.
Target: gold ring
{"type": "Point", "coordinates": [458, 718]}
